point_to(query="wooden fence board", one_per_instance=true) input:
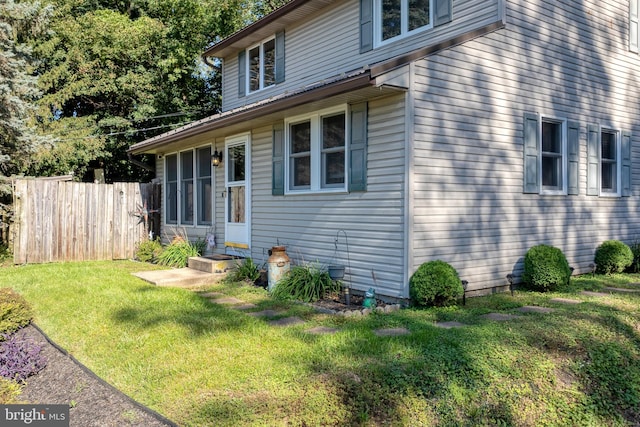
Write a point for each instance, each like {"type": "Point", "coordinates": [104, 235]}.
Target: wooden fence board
{"type": "Point", "coordinates": [69, 221]}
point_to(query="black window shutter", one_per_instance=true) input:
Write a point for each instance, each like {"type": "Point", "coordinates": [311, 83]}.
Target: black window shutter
{"type": "Point", "coordinates": [358, 148]}
{"type": "Point", "coordinates": [277, 173]}
{"type": "Point", "coordinates": [366, 25]}
{"type": "Point", "coordinates": [573, 149]}
{"type": "Point", "coordinates": [242, 73]}
{"type": "Point", "coordinates": [280, 57]}
{"type": "Point", "coordinates": [531, 152]}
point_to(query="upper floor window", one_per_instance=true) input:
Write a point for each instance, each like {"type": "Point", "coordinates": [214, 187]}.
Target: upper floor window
{"type": "Point", "coordinates": [262, 65]}
{"type": "Point", "coordinates": [634, 22]}
{"type": "Point", "coordinates": [316, 150]}
{"type": "Point", "coordinates": [609, 162]}
{"type": "Point", "coordinates": [262, 61]}
{"type": "Point", "coordinates": [398, 18]}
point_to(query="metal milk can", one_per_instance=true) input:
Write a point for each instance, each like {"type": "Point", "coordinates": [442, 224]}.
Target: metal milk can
{"type": "Point", "coordinates": [278, 265]}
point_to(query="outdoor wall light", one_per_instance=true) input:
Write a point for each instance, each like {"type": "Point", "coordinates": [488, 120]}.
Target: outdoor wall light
{"type": "Point", "coordinates": [216, 158]}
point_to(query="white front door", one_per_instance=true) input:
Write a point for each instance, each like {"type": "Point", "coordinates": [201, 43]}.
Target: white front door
{"type": "Point", "coordinates": [238, 191]}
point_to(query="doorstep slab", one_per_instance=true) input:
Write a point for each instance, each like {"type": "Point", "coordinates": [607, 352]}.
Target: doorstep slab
{"type": "Point", "coordinates": [322, 330]}
{"type": "Point", "coordinates": [449, 324]}
{"type": "Point", "coordinates": [178, 277]}
{"type": "Point", "coordinates": [535, 309]}
{"type": "Point", "coordinates": [287, 321]}
{"type": "Point", "coordinates": [391, 332]}
{"type": "Point", "coordinates": [566, 301]}
{"type": "Point", "coordinates": [499, 317]}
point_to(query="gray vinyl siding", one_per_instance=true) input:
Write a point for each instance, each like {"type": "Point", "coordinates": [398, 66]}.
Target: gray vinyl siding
{"type": "Point", "coordinates": [373, 220]}
{"type": "Point", "coordinates": [328, 44]}
{"type": "Point", "coordinates": [469, 206]}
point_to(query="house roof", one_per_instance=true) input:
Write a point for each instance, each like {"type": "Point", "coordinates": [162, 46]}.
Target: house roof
{"type": "Point", "coordinates": [289, 13]}
{"type": "Point", "coordinates": [350, 87]}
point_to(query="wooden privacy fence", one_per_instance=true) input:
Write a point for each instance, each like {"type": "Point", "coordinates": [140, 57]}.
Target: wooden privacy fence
{"type": "Point", "coordinates": [72, 221]}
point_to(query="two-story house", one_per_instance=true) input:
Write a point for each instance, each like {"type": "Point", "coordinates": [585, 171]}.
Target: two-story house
{"type": "Point", "coordinates": [460, 130]}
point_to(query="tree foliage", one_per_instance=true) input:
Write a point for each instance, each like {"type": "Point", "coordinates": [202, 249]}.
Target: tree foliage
{"type": "Point", "coordinates": [116, 73]}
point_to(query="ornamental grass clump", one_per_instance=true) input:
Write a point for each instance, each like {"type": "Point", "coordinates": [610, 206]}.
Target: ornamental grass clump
{"type": "Point", "coordinates": [613, 256]}
{"type": "Point", "coordinates": [435, 283]}
{"type": "Point", "coordinates": [545, 268]}
{"type": "Point", "coordinates": [148, 250]}
{"type": "Point", "coordinates": [177, 253]}
{"type": "Point", "coordinates": [307, 283]}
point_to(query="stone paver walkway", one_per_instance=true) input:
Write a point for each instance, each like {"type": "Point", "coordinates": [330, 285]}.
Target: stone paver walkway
{"type": "Point", "coordinates": [238, 304]}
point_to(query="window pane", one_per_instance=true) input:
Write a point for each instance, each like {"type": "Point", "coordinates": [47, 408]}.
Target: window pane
{"type": "Point", "coordinates": [269, 63]}
{"type": "Point", "coordinates": [254, 68]}
{"type": "Point", "coordinates": [204, 201]}
{"type": "Point", "coordinates": [333, 131]}
{"type": "Point", "coordinates": [236, 204]}
{"type": "Point", "coordinates": [172, 168]}
{"type": "Point", "coordinates": [608, 145]}
{"type": "Point", "coordinates": [333, 168]}
{"type": "Point", "coordinates": [235, 163]}
{"type": "Point", "coordinates": [186, 187]}
{"type": "Point", "coordinates": [391, 19]}
{"type": "Point", "coordinates": [552, 172]}
{"type": "Point", "coordinates": [552, 137]}
{"type": "Point", "coordinates": [301, 167]}
{"type": "Point", "coordinates": [418, 13]}
{"type": "Point", "coordinates": [301, 137]}
{"type": "Point", "coordinates": [172, 203]}
{"type": "Point", "coordinates": [609, 178]}
{"type": "Point", "coordinates": [204, 162]}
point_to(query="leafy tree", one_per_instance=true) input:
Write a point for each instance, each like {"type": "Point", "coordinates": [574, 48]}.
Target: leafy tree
{"type": "Point", "coordinates": [115, 73]}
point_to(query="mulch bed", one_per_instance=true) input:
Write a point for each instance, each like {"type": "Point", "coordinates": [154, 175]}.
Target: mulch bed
{"type": "Point", "coordinates": [93, 402]}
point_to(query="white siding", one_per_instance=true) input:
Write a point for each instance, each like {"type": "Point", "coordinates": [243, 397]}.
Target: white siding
{"type": "Point", "coordinates": [470, 209]}
{"type": "Point", "coordinates": [328, 44]}
{"type": "Point", "coordinates": [309, 224]}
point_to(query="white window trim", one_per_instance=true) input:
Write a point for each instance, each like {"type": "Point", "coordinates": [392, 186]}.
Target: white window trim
{"type": "Point", "coordinates": [248, 65]}
{"type": "Point", "coordinates": [618, 133]}
{"type": "Point", "coordinates": [377, 27]}
{"type": "Point", "coordinates": [316, 151]}
{"type": "Point", "coordinates": [565, 161]}
{"type": "Point", "coordinates": [179, 222]}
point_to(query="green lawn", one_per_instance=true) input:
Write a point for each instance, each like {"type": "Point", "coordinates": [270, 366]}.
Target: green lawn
{"type": "Point", "coordinates": [202, 364]}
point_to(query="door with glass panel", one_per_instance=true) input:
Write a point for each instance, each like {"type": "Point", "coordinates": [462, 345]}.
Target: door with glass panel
{"type": "Point", "coordinates": [237, 209]}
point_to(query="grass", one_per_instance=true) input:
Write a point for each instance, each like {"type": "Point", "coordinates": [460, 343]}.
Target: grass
{"type": "Point", "coordinates": [203, 364]}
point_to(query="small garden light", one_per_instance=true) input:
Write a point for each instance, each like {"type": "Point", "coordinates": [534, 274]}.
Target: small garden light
{"type": "Point", "coordinates": [510, 280]}
{"type": "Point", "coordinates": [592, 266]}
{"type": "Point", "coordinates": [465, 283]}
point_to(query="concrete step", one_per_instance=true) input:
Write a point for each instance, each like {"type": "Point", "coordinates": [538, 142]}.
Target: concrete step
{"type": "Point", "coordinates": [179, 277]}
{"type": "Point", "coordinates": [217, 263]}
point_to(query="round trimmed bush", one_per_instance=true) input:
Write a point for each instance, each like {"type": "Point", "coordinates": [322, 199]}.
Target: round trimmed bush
{"type": "Point", "coordinates": [435, 283]}
{"type": "Point", "coordinates": [545, 268]}
{"type": "Point", "coordinates": [613, 256]}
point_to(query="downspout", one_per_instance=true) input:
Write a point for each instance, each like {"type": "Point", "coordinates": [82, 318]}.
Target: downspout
{"type": "Point", "coordinates": [408, 179]}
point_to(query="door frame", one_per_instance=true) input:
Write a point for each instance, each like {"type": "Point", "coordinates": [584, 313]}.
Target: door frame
{"type": "Point", "coordinates": [232, 244]}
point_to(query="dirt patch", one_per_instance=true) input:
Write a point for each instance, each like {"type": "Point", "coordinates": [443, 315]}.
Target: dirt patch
{"type": "Point", "coordinates": [336, 302]}
{"type": "Point", "coordinates": [92, 401]}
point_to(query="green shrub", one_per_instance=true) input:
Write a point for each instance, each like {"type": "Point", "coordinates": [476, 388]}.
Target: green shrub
{"type": "Point", "coordinates": [15, 312]}
{"type": "Point", "coordinates": [247, 270]}
{"type": "Point", "coordinates": [635, 250]}
{"type": "Point", "coordinates": [177, 254]}
{"type": "Point", "coordinates": [545, 268]}
{"type": "Point", "coordinates": [435, 283]}
{"type": "Point", "coordinates": [613, 256]}
{"type": "Point", "coordinates": [9, 392]}
{"type": "Point", "coordinates": [306, 283]}
{"type": "Point", "coordinates": [148, 250]}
